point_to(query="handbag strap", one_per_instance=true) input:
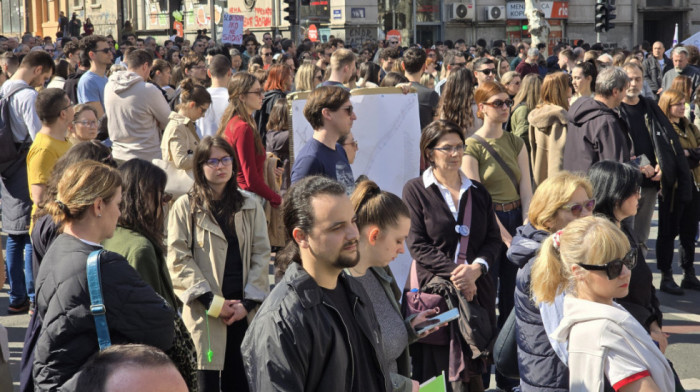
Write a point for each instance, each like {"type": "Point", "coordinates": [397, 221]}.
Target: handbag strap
{"type": "Point", "coordinates": [498, 159]}
{"type": "Point", "coordinates": [466, 221]}
{"type": "Point", "coordinates": [97, 307]}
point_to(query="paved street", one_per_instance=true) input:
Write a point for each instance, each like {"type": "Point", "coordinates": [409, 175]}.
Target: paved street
{"type": "Point", "coordinates": [681, 320]}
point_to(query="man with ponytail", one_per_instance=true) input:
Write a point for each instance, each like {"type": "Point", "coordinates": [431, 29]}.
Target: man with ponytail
{"type": "Point", "coordinates": [317, 330]}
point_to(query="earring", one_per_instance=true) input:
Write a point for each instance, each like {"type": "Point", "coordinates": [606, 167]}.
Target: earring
{"type": "Point", "coordinates": [99, 215]}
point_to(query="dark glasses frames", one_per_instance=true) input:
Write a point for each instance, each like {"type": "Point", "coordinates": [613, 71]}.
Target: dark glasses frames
{"type": "Point", "coordinates": [214, 162]}
{"type": "Point", "coordinates": [577, 208]}
{"type": "Point", "coordinates": [487, 71]}
{"type": "Point", "coordinates": [499, 103]}
{"type": "Point", "coordinates": [614, 268]}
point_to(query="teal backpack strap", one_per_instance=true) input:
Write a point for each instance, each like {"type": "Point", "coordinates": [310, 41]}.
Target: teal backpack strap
{"type": "Point", "coordinates": [97, 307]}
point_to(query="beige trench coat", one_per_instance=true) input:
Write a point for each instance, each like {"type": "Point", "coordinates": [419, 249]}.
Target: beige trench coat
{"type": "Point", "coordinates": [180, 139]}
{"type": "Point", "coordinates": [203, 271]}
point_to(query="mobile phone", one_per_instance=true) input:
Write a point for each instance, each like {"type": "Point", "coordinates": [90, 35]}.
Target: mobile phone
{"type": "Point", "coordinates": [441, 318]}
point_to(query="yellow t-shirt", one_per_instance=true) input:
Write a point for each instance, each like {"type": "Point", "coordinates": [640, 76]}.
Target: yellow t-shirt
{"type": "Point", "coordinates": [42, 157]}
{"type": "Point", "coordinates": [492, 175]}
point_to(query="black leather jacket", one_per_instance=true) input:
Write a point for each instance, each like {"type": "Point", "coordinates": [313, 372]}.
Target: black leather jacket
{"type": "Point", "coordinates": [297, 341]}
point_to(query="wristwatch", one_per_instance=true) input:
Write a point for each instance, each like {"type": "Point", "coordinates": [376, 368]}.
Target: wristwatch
{"type": "Point", "coordinates": [484, 270]}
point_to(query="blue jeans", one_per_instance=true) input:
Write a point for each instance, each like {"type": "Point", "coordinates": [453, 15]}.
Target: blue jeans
{"type": "Point", "coordinates": [19, 268]}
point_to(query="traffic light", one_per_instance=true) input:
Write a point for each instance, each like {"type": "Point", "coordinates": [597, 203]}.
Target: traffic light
{"type": "Point", "coordinates": [291, 10]}
{"type": "Point", "coordinates": [610, 15]}
{"type": "Point", "coordinates": [604, 13]}
{"type": "Point", "coordinates": [600, 16]}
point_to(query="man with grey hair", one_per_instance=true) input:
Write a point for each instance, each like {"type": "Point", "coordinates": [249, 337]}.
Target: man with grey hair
{"type": "Point", "coordinates": [679, 56]}
{"type": "Point", "coordinates": [596, 132]}
{"type": "Point", "coordinates": [655, 66]}
{"type": "Point", "coordinates": [529, 65]}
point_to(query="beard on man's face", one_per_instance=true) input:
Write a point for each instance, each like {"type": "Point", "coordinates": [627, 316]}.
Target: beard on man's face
{"type": "Point", "coordinates": [348, 261]}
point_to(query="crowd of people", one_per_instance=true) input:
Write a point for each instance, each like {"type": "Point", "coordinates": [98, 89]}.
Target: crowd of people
{"type": "Point", "coordinates": [172, 164]}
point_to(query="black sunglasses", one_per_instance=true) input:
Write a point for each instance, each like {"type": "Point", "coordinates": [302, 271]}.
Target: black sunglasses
{"type": "Point", "coordinates": [614, 268]}
{"type": "Point", "coordinates": [500, 103]}
{"type": "Point", "coordinates": [487, 71]}
{"type": "Point", "coordinates": [577, 208]}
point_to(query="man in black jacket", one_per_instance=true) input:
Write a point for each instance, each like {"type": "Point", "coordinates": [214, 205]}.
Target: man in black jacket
{"type": "Point", "coordinates": [655, 66]}
{"type": "Point", "coordinates": [596, 132]}
{"type": "Point", "coordinates": [317, 330]}
{"type": "Point", "coordinates": [654, 138]}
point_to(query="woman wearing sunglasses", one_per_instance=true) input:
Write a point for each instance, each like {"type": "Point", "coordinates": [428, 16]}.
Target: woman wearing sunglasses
{"type": "Point", "coordinates": [559, 200]}
{"type": "Point", "coordinates": [499, 160]}
{"type": "Point", "coordinates": [218, 257]}
{"type": "Point", "coordinates": [590, 260]}
{"type": "Point", "coordinates": [617, 187]}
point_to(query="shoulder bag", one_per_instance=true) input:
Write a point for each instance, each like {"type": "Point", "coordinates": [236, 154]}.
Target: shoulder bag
{"type": "Point", "coordinates": [499, 159]}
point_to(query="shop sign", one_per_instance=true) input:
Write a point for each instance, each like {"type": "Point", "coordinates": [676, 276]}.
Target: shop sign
{"type": "Point", "coordinates": [313, 33]}
{"type": "Point", "coordinates": [337, 14]}
{"type": "Point", "coordinates": [551, 9]}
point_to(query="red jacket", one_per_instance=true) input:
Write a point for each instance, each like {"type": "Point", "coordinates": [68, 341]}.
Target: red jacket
{"type": "Point", "coordinates": [250, 164]}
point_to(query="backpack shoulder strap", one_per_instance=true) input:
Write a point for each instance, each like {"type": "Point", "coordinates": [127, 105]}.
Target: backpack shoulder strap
{"type": "Point", "coordinates": [97, 306]}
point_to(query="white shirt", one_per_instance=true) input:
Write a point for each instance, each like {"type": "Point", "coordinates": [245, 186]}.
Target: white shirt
{"type": "Point", "coordinates": [209, 123]}
{"type": "Point", "coordinates": [23, 117]}
{"type": "Point", "coordinates": [429, 179]}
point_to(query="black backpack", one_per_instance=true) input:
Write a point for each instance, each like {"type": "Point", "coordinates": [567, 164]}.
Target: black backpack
{"type": "Point", "coordinates": [9, 150]}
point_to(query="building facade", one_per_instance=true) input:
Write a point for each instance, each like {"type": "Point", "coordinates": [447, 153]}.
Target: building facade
{"type": "Point", "coordinates": [356, 21]}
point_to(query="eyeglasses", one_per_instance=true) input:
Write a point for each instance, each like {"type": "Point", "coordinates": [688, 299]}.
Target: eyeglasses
{"type": "Point", "coordinates": [614, 268]}
{"type": "Point", "coordinates": [258, 92]}
{"type": "Point", "coordinates": [458, 65]}
{"type": "Point", "coordinates": [577, 208]}
{"type": "Point", "coordinates": [166, 198]}
{"type": "Point", "coordinates": [499, 103]}
{"type": "Point", "coordinates": [393, 42]}
{"type": "Point", "coordinates": [450, 149]}
{"type": "Point", "coordinates": [214, 162]}
{"type": "Point", "coordinates": [86, 123]}
{"type": "Point", "coordinates": [487, 71]}
{"type": "Point", "coordinates": [67, 107]}
{"type": "Point", "coordinates": [351, 143]}
{"type": "Point", "coordinates": [104, 50]}
{"type": "Point", "coordinates": [348, 110]}
{"type": "Point", "coordinates": [267, 54]}
{"type": "Point", "coordinates": [199, 67]}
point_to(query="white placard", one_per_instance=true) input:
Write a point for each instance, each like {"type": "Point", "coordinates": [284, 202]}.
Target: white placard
{"type": "Point", "coordinates": [232, 31]}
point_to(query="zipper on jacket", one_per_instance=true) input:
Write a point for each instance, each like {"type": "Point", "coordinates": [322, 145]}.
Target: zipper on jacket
{"type": "Point", "coordinates": [347, 335]}
{"type": "Point", "coordinates": [376, 341]}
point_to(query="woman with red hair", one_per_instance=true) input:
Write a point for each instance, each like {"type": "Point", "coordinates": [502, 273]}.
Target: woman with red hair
{"type": "Point", "coordinates": [280, 79]}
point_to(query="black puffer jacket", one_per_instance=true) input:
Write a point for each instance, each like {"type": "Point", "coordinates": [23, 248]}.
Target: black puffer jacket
{"type": "Point", "coordinates": [540, 367]}
{"type": "Point", "coordinates": [594, 133]}
{"type": "Point", "coordinates": [135, 313]}
{"type": "Point", "coordinates": [263, 115]}
{"type": "Point", "coordinates": [297, 342]}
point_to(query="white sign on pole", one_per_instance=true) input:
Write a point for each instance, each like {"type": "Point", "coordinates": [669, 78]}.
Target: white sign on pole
{"type": "Point", "coordinates": [232, 29]}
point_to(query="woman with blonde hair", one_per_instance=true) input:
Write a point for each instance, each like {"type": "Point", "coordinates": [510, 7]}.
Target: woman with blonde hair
{"type": "Point", "coordinates": [308, 76]}
{"type": "Point", "coordinates": [684, 84]}
{"type": "Point", "coordinates": [560, 199]}
{"type": "Point", "coordinates": [547, 130]}
{"type": "Point", "coordinates": [524, 102]}
{"type": "Point", "coordinates": [239, 129]}
{"type": "Point", "coordinates": [511, 80]}
{"type": "Point", "coordinates": [604, 340]}
{"type": "Point", "coordinates": [87, 210]}
{"type": "Point", "coordinates": [678, 217]}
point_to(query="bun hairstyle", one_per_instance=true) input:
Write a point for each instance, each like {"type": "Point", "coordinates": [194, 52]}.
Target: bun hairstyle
{"type": "Point", "coordinates": [374, 206]}
{"type": "Point", "coordinates": [193, 92]}
{"type": "Point", "coordinates": [80, 186]}
{"type": "Point", "coordinates": [551, 272]}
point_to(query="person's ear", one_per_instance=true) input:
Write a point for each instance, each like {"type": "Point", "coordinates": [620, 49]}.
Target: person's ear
{"type": "Point", "coordinates": [373, 235]}
{"type": "Point", "coordinates": [98, 207]}
{"type": "Point", "coordinates": [300, 237]}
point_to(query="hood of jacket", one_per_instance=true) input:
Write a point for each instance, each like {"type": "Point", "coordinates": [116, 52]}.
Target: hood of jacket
{"type": "Point", "coordinates": [580, 310]}
{"type": "Point", "coordinates": [526, 242]}
{"type": "Point", "coordinates": [271, 97]}
{"type": "Point", "coordinates": [124, 80]}
{"type": "Point", "coordinates": [544, 117]}
{"type": "Point", "coordinates": [585, 109]}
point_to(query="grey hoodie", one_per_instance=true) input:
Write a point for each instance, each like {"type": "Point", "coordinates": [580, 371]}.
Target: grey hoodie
{"type": "Point", "coordinates": [136, 113]}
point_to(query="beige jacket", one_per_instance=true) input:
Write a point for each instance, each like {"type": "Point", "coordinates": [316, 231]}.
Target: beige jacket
{"type": "Point", "coordinates": [201, 272]}
{"type": "Point", "coordinates": [547, 136]}
{"type": "Point", "coordinates": [180, 139]}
